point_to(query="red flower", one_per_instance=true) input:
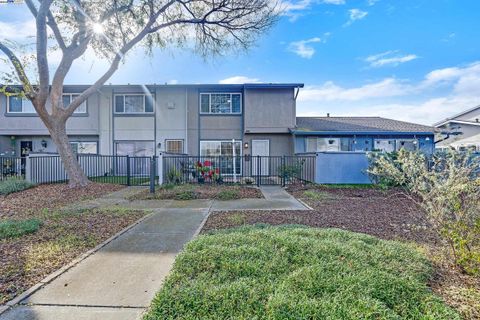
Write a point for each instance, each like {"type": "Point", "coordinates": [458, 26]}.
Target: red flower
{"type": "Point", "coordinates": [217, 171]}
{"type": "Point", "coordinates": [199, 164]}
{"type": "Point", "coordinates": [207, 163]}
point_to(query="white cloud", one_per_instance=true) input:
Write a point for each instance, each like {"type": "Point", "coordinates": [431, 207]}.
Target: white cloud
{"type": "Point", "coordinates": [173, 81]}
{"type": "Point", "coordinates": [389, 58]}
{"type": "Point", "coordinates": [440, 94]}
{"type": "Point", "coordinates": [329, 91]}
{"type": "Point", "coordinates": [354, 15]}
{"type": "Point", "coordinates": [295, 9]}
{"type": "Point", "coordinates": [372, 2]}
{"type": "Point", "coordinates": [238, 80]}
{"type": "Point", "coordinates": [18, 30]}
{"type": "Point", "coordinates": [304, 48]}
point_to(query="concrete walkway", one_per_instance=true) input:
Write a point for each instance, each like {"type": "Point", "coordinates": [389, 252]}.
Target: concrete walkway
{"type": "Point", "coordinates": [120, 280]}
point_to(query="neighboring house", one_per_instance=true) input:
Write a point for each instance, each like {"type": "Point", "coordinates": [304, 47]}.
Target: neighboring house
{"type": "Point", "coordinates": [141, 120]}
{"type": "Point", "coordinates": [462, 131]}
{"type": "Point", "coordinates": [330, 134]}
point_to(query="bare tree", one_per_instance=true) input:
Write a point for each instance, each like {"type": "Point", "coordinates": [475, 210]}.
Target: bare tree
{"type": "Point", "coordinates": [112, 28]}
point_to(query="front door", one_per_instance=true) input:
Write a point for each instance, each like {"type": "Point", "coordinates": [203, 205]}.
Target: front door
{"type": "Point", "coordinates": [25, 149]}
{"type": "Point", "coordinates": [260, 148]}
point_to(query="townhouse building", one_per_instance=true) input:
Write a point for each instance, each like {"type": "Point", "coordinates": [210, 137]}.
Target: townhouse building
{"type": "Point", "coordinates": [144, 120]}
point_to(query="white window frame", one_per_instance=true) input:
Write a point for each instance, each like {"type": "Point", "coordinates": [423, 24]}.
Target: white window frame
{"type": "Point", "coordinates": [77, 142]}
{"type": "Point", "coordinates": [317, 141]}
{"type": "Point", "coordinates": [175, 140]}
{"type": "Point", "coordinates": [18, 112]}
{"type": "Point", "coordinates": [220, 141]}
{"type": "Point", "coordinates": [71, 99]}
{"type": "Point", "coordinates": [132, 94]}
{"type": "Point", "coordinates": [210, 103]}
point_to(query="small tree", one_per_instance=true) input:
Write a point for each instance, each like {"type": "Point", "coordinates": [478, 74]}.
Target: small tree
{"type": "Point", "coordinates": [112, 28]}
{"type": "Point", "coordinates": [447, 187]}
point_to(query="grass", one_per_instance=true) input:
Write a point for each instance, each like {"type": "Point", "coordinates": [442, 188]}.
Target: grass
{"type": "Point", "coordinates": [293, 272]}
{"type": "Point", "coordinates": [229, 194]}
{"type": "Point", "coordinates": [349, 186]}
{"type": "Point", "coordinates": [14, 229]}
{"type": "Point", "coordinates": [14, 185]}
{"type": "Point", "coordinates": [121, 180]}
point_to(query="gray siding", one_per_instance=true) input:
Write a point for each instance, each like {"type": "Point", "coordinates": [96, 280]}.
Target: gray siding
{"type": "Point", "coordinates": [269, 110]}
{"type": "Point", "coordinates": [470, 136]}
{"type": "Point", "coordinates": [280, 144]}
{"type": "Point", "coordinates": [32, 125]}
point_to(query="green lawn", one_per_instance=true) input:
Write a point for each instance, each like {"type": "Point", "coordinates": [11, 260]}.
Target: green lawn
{"type": "Point", "coordinates": [121, 180]}
{"type": "Point", "coordinates": [297, 273]}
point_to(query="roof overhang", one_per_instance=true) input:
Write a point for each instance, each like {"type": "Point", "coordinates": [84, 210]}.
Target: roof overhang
{"type": "Point", "coordinates": [329, 133]}
{"type": "Point", "coordinates": [457, 121]}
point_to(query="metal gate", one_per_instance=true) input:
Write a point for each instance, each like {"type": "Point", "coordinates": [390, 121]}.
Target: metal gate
{"type": "Point", "coordinates": [249, 170]}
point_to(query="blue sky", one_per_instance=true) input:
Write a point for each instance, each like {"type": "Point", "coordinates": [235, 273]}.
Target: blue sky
{"type": "Point", "coordinates": [415, 60]}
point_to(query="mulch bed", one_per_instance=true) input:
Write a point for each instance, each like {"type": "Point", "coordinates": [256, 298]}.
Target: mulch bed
{"type": "Point", "coordinates": [385, 214]}
{"type": "Point", "coordinates": [63, 235]}
{"type": "Point", "coordinates": [201, 192]}
{"type": "Point", "coordinates": [26, 203]}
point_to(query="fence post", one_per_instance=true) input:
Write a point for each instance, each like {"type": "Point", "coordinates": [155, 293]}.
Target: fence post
{"type": "Point", "coordinates": [283, 171]}
{"type": "Point", "coordinates": [128, 171]}
{"type": "Point", "coordinates": [153, 166]}
{"type": "Point", "coordinates": [258, 170]}
{"type": "Point", "coordinates": [28, 169]}
{"type": "Point", "coordinates": [160, 169]}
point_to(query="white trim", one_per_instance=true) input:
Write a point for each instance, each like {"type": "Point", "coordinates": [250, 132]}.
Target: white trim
{"type": "Point", "coordinates": [17, 112]}
{"type": "Point", "coordinates": [457, 121]}
{"type": "Point", "coordinates": [210, 103]}
{"type": "Point", "coordinates": [132, 94]}
{"type": "Point", "coordinates": [456, 116]}
{"type": "Point", "coordinates": [71, 94]}
{"type": "Point", "coordinates": [171, 140]}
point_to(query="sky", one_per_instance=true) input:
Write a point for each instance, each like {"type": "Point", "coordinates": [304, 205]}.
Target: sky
{"type": "Point", "coordinates": [412, 60]}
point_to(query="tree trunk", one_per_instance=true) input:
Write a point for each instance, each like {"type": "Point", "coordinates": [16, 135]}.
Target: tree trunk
{"type": "Point", "coordinates": [76, 176]}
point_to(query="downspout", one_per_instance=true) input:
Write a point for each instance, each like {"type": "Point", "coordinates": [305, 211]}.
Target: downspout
{"type": "Point", "coordinates": [186, 121]}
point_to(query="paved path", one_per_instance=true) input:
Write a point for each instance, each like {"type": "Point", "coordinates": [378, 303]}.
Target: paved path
{"type": "Point", "coordinates": [120, 280]}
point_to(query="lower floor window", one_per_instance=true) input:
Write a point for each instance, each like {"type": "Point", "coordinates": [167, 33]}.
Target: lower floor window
{"type": "Point", "coordinates": [174, 146]}
{"type": "Point", "coordinates": [135, 148]}
{"type": "Point", "coordinates": [85, 147]}
{"type": "Point", "coordinates": [328, 144]}
{"type": "Point", "coordinates": [222, 153]}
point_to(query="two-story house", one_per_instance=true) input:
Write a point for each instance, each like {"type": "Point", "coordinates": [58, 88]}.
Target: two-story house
{"type": "Point", "coordinates": [461, 131]}
{"type": "Point", "coordinates": [144, 120]}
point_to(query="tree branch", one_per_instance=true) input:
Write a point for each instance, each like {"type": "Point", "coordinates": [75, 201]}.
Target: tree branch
{"type": "Point", "coordinates": [19, 69]}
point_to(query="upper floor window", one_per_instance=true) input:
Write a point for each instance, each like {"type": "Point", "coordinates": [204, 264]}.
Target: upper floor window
{"type": "Point", "coordinates": [133, 103]}
{"type": "Point", "coordinates": [17, 104]}
{"type": "Point", "coordinates": [221, 103]}
{"type": "Point", "coordinates": [69, 97]}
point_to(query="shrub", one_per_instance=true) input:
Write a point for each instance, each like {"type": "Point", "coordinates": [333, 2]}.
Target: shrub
{"type": "Point", "coordinates": [174, 176]}
{"type": "Point", "coordinates": [14, 229]}
{"type": "Point", "coordinates": [448, 189]}
{"type": "Point", "coordinates": [186, 195]}
{"type": "Point", "coordinates": [291, 171]}
{"type": "Point", "coordinates": [14, 185]}
{"type": "Point", "coordinates": [228, 194]}
{"type": "Point", "coordinates": [297, 273]}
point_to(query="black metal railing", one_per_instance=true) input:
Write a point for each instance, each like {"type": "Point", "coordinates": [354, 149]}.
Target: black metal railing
{"type": "Point", "coordinates": [255, 170]}
{"type": "Point", "coordinates": [11, 167]}
{"type": "Point", "coordinates": [126, 170]}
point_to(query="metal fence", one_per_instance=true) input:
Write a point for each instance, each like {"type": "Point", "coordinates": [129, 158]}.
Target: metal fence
{"type": "Point", "coordinates": [12, 167]}
{"type": "Point", "coordinates": [259, 170]}
{"type": "Point", "coordinates": [98, 168]}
